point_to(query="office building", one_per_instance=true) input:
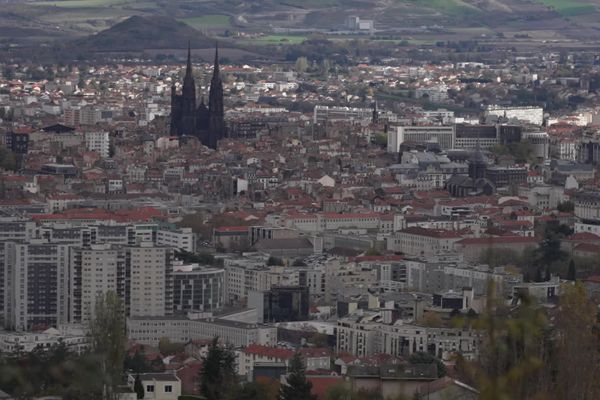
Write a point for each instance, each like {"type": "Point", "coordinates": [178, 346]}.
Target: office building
{"type": "Point", "coordinates": [281, 303]}
{"type": "Point", "coordinates": [198, 288]}
{"type": "Point", "coordinates": [442, 135]}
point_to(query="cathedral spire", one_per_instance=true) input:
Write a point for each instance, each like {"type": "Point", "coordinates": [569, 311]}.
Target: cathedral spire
{"type": "Point", "coordinates": [216, 66]}
{"type": "Point", "coordinates": [188, 68]}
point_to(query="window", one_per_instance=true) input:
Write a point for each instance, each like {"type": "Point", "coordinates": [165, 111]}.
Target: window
{"type": "Point", "coordinates": [149, 388]}
{"type": "Point", "coordinates": [168, 389]}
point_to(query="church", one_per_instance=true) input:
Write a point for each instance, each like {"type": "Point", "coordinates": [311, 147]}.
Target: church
{"type": "Point", "coordinates": [207, 122]}
{"type": "Point", "coordinates": [475, 183]}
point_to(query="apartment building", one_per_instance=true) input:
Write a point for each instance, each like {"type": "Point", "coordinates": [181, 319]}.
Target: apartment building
{"type": "Point", "coordinates": [36, 280]}
{"type": "Point", "coordinates": [365, 334]}
{"type": "Point", "coordinates": [98, 142]}
{"type": "Point", "coordinates": [150, 273]}
{"type": "Point", "coordinates": [93, 272]}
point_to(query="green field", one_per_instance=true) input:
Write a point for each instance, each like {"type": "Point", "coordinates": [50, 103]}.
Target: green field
{"type": "Point", "coordinates": [449, 7]}
{"type": "Point", "coordinates": [208, 21]}
{"type": "Point", "coordinates": [569, 8]}
{"type": "Point", "coordinates": [275, 39]}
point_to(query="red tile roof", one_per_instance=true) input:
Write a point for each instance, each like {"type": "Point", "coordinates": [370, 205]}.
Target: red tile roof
{"type": "Point", "coordinates": [271, 352]}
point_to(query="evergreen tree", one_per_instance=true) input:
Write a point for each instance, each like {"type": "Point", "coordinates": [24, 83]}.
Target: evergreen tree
{"type": "Point", "coordinates": [572, 273]}
{"type": "Point", "coordinates": [138, 387]}
{"type": "Point", "coordinates": [217, 378]}
{"type": "Point", "coordinates": [296, 387]}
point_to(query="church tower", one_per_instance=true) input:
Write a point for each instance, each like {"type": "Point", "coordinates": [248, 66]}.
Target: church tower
{"type": "Point", "coordinates": [207, 122]}
{"type": "Point", "coordinates": [477, 164]}
{"type": "Point", "coordinates": [216, 110]}
{"type": "Point", "coordinates": [188, 94]}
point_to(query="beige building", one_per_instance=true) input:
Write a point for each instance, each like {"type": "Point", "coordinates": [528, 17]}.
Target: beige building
{"type": "Point", "coordinates": [158, 386]}
{"type": "Point", "coordinates": [93, 271]}
{"type": "Point", "coordinates": [416, 241]}
{"type": "Point", "coordinates": [151, 277]}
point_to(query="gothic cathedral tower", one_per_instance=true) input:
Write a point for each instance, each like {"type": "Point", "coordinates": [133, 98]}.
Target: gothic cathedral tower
{"type": "Point", "coordinates": [207, 123]}
{"type": "Point", "coordinates": [216, 111]}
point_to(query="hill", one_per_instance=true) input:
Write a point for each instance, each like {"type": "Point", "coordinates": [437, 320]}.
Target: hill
{"type": "Point", "coordinates": [145, 32]}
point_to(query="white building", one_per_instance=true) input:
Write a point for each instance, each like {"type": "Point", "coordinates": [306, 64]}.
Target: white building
{"type": "Point", "coordinates": [531, 115]}
{"type": "Point", "coordinates": [443, 135]}
{"type": "Point", "coordinates": [98, 142]}
{"type": "Point", "coordinates": [158, 386]}
{"type": "Point", "coordinates": [366, 334]}
{"type": "Point", "coordinates": [149, 331]}
{"type": "Point", "coordinates": [181, 239]}
{"type": "Point", "coordinates": [76, 342]}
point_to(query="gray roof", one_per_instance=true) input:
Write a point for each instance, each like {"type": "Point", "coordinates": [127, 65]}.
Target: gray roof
{"type": "Point", "coordinates": [158, 376]}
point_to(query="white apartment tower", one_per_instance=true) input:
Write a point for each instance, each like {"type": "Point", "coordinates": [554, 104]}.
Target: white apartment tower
{"type": "Point", "coordinates": [98, 142]}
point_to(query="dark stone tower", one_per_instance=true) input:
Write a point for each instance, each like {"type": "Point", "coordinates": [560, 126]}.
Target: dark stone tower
{"type": "Point", "coordinates": [216, 110]}
{"type": "Point", "coordinates": [477, 164]}
{"type": "Point", "coordinates": [188, 94]}
{"type": "Point", "coordinates": [205, 122]}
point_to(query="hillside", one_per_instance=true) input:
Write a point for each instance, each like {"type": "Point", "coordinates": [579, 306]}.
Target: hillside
{"type": "Point", "coordinates": [46, 19]}
{"type": "Point", "coordinates": [149, 32]}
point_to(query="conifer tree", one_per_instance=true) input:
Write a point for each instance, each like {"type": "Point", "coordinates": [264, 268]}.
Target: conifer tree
{"type": "Point", "coordinates": [297, 386]}
{"type": "Point", "coordinates": [138, 387]}
{"type": "Point", "coordinates": [218, 378]}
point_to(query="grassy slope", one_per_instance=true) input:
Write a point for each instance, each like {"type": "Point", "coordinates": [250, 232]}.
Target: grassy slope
{"type": "Point", "coordinates": [569, 8]}
{"type": "Point", "coordinates": [208, 21]}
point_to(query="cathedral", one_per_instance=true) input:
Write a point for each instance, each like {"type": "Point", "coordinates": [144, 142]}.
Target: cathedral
{"type": "Point", "coordinates": [203, 121]}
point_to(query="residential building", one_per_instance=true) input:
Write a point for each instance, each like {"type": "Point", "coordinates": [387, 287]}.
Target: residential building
{"type": "Point", "coordinates": [98, 142]}
{"type": "Point", "coordinates": [158, 386]}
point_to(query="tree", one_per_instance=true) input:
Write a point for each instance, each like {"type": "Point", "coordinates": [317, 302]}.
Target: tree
{"type": "Point", "coordinates": [431, 320]}
{"type": "Point", "coordinates": [107, 331]}
{"type": "Point", "coordinates": [566, 206]}
{"type": "Point", "coordinates": [217, 378]}
{"type": "Point", "coordinates": [166, 347]}
{"type": "Point", "coordinates": [138, 387]}
{"type": "Point", "coordinates": [578, 345]}
{"type": "Point", "coordinates": [301, 65]}
{"type": "Point", "coordinates": [426, 358]}
{"type": "Point", "coordinates": [7, 159]}
{"type": "Point", "coordinates": [572, 273]}
{"type": "Point", "coordinates": [297, 387]}
{"type": "Point", "coordinates": [136, 363]}
{"type": "Point", "coordinates": [513, 356]}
